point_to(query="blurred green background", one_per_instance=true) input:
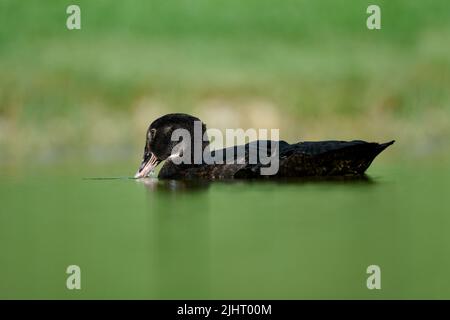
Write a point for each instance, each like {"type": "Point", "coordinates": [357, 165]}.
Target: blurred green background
{"type": "Point", "coordinates": [310, 68]}
{"type": "Point", "coordinates": [76, 104]}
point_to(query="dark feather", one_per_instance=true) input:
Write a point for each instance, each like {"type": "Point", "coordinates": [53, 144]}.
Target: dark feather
{"type": "Point", "coordinates": [303, 159]}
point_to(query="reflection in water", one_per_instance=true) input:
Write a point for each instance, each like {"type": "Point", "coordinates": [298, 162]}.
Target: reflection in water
{"type": "Point", "coordinates": [184, 232]}
{"type": "Point", "coordinates": [155, 185]}
{"type": "Point", "coordinates": [180, 225]}
{"type": "Point", "coordinates": [364, 179]}
{"type": "Point", "coordinates": [242, 239]}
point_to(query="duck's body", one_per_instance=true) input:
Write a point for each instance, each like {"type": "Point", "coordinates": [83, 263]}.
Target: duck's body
{"type": "Point", "coordinates": [303, 159]}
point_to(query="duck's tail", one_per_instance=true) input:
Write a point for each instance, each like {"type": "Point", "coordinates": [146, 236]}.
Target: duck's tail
{"type": "Point", "coordinates": [367, 153]}
{"type": "Point", "coordinates": [383, 146]}
{"type": "Point", "coordinates": [330, 158]}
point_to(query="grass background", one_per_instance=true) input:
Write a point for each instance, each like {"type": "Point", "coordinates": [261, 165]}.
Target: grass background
{"type": "Point", "coordinates": [310, 68]}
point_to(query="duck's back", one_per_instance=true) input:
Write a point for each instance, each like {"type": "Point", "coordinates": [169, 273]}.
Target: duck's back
{"type": "Point", "coordinates": [329, 158]}
{"type": "Point", "coordinates": [322, 158]}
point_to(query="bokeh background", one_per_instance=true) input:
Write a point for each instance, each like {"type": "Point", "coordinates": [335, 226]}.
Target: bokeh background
{"type": "Point", "coordinates": [310, 68]}
{"type": "Point", "coordinates": [76, 104]}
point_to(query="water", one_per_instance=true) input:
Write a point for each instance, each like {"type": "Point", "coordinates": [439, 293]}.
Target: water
{"type": "Point", "coordinates": [293, 240]}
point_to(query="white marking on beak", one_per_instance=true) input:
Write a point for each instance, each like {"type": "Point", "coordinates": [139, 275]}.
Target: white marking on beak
{"type": "Point", "coordinates": [148, 168]}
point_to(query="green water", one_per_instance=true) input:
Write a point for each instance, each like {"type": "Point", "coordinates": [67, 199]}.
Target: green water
{"type": "Point", "coordinates": [294, 240]}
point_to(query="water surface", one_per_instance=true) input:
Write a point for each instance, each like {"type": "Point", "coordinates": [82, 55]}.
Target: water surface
{"type": "Point", "coordinates": [153, 240]}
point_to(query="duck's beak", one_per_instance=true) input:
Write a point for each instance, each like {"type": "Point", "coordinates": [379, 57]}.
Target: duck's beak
{"type": "Point", "coordinates": [148, 164]}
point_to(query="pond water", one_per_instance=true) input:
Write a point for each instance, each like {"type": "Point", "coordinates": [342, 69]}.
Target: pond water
{"type": "Point", "coordinates": [155, 240]}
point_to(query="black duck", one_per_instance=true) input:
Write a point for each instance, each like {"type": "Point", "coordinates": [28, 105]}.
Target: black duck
{"type": "Point", "coordinates": [303, 159]}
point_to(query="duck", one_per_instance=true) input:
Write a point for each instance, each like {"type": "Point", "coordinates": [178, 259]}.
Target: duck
{"type": "Point", "coordinates": [165, 143]}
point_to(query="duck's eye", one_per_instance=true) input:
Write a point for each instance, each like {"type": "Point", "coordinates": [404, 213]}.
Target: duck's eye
{"type": "Point", "coordinates": [151, 133]}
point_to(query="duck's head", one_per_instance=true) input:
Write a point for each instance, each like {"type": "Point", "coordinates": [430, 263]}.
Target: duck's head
{"type": "Point", "coordinates": [160, 145]}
